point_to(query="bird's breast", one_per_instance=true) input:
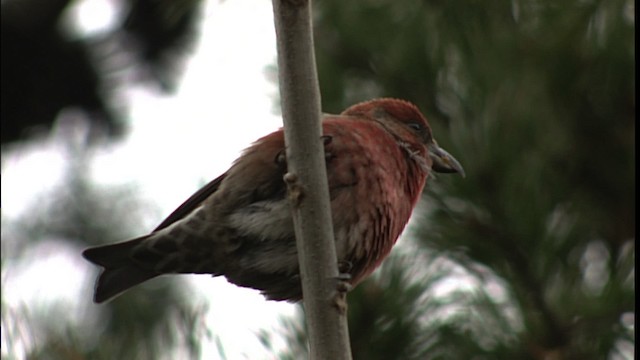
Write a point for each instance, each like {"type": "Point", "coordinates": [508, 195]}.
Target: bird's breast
{"type": "Point", "coordinates": [374, 185]}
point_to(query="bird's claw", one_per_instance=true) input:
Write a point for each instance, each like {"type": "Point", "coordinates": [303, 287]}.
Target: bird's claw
{"type": "Point", "coordinates": [343, 286]}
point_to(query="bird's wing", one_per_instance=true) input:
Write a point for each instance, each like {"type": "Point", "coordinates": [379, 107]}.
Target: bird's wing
{"type": "Point", "coordinates": [192, 202]}
{"type": "Point", "coordinates": [265, 163]}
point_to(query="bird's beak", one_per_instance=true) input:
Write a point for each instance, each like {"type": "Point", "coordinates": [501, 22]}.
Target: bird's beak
{"type": "Point", "coordinates": [443, 162]}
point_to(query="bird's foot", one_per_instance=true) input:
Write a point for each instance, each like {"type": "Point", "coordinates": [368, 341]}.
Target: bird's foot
{"type": "Point", "coordinates": [343, 286]}
{"type": "Point", "coordinates": [344, 276]}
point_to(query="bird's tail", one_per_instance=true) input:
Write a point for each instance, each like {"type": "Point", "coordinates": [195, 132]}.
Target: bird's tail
{"type": "Point", "coordinates": [120, 272]}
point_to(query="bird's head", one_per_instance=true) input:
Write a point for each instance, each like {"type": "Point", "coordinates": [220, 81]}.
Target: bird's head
{"type": "Point", "coordinates": [404, 121]}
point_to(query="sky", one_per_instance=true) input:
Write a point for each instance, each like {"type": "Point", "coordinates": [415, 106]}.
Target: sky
{"type": "Point", "coordinates": [224, 102]}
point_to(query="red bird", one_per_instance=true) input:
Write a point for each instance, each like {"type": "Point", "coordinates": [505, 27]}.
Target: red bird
{"type": "Point", "coordinates": [378, 153]}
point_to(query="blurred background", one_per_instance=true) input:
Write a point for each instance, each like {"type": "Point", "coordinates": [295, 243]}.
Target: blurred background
{"type": "Point", "coordinates": [115, 111]}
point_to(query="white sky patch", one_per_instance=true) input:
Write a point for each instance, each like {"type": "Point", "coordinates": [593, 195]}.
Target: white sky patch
{"type": "Point", "coordinates": [91, 17]}
{"type": "Point", "coordinates": [236, 315]}
{"type": "Point", "coordinates": [28, 174]}
{"type": "Point", "coordinates": [33, 284]}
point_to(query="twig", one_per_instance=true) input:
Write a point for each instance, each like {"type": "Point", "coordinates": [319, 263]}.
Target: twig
{"type": "Point", "coordinates": [307, 182]}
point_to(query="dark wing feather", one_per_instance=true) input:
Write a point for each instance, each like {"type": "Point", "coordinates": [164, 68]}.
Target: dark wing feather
{"type": "Point", "coordinates": [192, 203]}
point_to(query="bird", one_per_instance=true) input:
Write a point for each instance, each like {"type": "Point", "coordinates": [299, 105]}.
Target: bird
{"type": "Point", "coordinates": [378, 153]}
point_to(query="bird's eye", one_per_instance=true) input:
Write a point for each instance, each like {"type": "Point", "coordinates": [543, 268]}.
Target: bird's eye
{"type": "Point", "coordinates": [415, 126]}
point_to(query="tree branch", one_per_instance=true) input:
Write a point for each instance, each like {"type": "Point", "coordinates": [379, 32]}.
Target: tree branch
{"type": "Point", "coordinates": [307, 182]}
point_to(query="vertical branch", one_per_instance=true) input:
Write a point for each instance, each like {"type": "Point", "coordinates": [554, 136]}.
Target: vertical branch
{"type": "Point", "coordinates": [307, 181]}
